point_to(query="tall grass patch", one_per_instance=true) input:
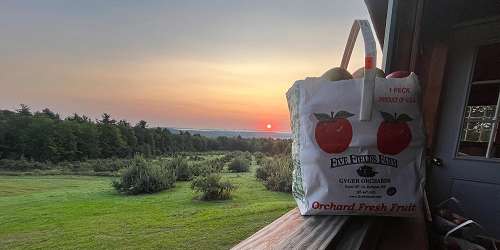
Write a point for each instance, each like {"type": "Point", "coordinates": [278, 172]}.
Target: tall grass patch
{"type": "Point", "coordinates": [145, 177]}
{"type": "Point", "coordinates": [276, 173]}
{"type": "Point", "coordinates": [183, 171]}
{"type": "Point", "coordinates": [239, 164]}
{"type": "Point", "coordinates": [212, 187]}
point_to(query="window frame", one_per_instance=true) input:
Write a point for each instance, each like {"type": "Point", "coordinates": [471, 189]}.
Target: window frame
{"type": "Point", "coordinates": [495, 120]}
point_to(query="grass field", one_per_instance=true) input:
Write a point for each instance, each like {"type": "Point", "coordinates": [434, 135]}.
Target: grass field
{"type": "Point", "coordinates": [47, 212]}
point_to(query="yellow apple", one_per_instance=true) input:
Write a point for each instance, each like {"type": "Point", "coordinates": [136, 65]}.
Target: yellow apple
{"type": "Point", "coordinates": [337, 74]}
{"type": "Point", "coordinates": [360, 73]}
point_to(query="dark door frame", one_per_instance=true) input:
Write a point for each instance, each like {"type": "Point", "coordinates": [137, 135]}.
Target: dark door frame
{"type": "Point", "coordinates": [457, 172]}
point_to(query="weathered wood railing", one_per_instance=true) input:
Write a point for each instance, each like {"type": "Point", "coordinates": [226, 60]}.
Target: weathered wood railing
{"type": "Point", "coordinates": [293, 231]}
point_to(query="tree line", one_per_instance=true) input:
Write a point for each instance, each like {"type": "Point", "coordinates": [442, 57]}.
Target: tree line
{"type": "Point", "coordinates": [44, 136]}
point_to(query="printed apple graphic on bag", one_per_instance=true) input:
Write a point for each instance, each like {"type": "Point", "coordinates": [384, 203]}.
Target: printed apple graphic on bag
{"type": "Point", "coordinates": [394, 134]}
{"type": "Point", "coordinates": [333, 133]}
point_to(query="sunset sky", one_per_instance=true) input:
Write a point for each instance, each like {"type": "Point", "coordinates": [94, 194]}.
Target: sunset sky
{"type": "Point", "coordinates": [188, 64]}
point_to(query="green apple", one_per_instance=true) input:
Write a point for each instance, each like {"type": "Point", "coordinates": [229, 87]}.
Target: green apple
{"type": "Point", "coordinates": [337, 74]}
{"type": "Point", "coordinates": [360, 73]}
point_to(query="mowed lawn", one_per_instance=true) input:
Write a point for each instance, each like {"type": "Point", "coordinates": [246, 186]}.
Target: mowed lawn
{"type": "Point", "coordinates": [47, 212]}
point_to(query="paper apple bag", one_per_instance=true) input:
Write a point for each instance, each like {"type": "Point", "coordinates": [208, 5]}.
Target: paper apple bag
{"type": "Point", "coordinates": [358, 144]}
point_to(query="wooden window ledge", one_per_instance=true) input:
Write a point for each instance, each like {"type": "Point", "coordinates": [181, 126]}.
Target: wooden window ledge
{"type": "Point", "coordinates": [293, 231]}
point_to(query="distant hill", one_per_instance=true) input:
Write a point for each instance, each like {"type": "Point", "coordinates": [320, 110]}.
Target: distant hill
{"type": "Point", "coordinates": [233, 133]}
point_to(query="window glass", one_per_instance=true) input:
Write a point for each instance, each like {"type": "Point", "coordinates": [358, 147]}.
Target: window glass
{"type": "Point", "coordinates": [488, 63]}
{"type": "Point", "coordinates": [479, 135]}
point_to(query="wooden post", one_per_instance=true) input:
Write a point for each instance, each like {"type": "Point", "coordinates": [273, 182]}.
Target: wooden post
{"type": "Point", "coordinates": [433, 84]}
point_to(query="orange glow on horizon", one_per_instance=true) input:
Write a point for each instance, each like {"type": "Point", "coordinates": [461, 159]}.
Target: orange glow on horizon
{"type": "Point", "coordinates": [182, 93]}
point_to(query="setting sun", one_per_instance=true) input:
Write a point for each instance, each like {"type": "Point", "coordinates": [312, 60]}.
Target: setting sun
{"type": "Point", "coordinates": [269, 126]}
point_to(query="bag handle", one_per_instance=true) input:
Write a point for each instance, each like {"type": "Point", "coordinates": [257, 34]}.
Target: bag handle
{"type": "Point", "coordinates": [368, 87]}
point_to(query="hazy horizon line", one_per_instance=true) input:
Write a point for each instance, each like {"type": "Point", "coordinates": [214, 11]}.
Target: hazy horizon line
{"type": "Point", "coordinates": [233, 130]}
{"type": "Point", "coordinates": [94, 118]}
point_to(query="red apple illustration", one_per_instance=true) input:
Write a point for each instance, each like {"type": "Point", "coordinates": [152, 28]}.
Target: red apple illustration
{"type": "Point", "coordinates": [393, 134]}
{"type": "Point", "coordinates": [333, 133]}
{"type": "Point", "coordinates": [398, 74]}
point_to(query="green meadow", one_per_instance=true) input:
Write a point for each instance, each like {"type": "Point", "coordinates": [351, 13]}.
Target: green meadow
{"type": "Point", "coordinates": [85, 212]}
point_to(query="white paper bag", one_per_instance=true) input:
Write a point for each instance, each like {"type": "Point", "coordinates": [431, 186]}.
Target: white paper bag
{"type": "Point", "coordinates": [357, 144]}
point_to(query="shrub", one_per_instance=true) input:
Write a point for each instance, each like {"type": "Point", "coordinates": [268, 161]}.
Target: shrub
{"type": "Point", "coordinates": [247, 155]}
{"type": "Point", "coordinates": [145, 177]}
{"type": "Point", "coordinates": [196, 158]}
{"type": "Point", "coordinates": [200, 168]}
{"type": "Point", "coordinates": [90, 166]}
{"type": "Point", "coordinates": [79, 166]}
{"type": "Point", "coordinates": [207, 167]}
{"type": "Point", "coordinates": [276, 173]}
{"type": "Point", "coordinates": [259, 157]}
{"type": "Point", "coordinates": [212, 187]}
{"type": "Point", "coordinates": [182, 169]}
{"type": "Point", "coordinates": [227, 157]}
{"type": "Point", "coordinates": [262, 173]}
{"type": "Point", "coordinates": [108, 165]}
{"type": "Point", "coordinates": [230, 156]}
{"type": "Point", "coordinates": [216, 165]}
{"type": "Point", "coordinates": [23, 165]}
{"type": "Point", "coordinates": [239, 164]}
